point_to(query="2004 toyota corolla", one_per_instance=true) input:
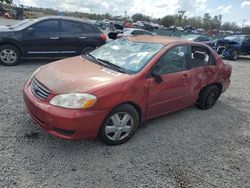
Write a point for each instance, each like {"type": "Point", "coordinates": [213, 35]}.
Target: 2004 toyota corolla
{"type": "Point", "coordinates": [110, 91]}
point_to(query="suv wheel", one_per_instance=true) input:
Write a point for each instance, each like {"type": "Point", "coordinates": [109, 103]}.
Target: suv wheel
{"type": "Point", "coordinates": [208, 97]}
{"type": "Point", "coordinates": [9, 55]}
{"type": "Point", "coordinates": [87, 50]}
{"type": "Point", "coordinates": [120, 125]}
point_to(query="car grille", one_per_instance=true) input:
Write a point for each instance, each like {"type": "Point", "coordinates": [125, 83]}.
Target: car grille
{"type": "Point", "coordinates": [38, 89]}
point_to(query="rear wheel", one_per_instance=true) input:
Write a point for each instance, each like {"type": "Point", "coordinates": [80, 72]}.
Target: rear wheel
{"type": "Point", "coordinates": [9, 55]}
{"type": "Point", "coordinates": [235, 55]}
{"type": "Point", "coordinates": [208, 97]}
{"type": "Point", "coordinates": [120, 125]}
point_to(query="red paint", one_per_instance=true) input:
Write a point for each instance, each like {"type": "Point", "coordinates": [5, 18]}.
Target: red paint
{"type": "Point", "coordinates": [104, 38]}
{"type": "Point", "coordinates": [177, 91]}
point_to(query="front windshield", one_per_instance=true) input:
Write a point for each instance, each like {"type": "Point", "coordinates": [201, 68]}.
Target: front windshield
{"type": "Point", "coordinates": [23, 24]}
{"type": "Point", "coordinates": [236, 38]}
{"type": "Point", "coordinates": [131, 56]}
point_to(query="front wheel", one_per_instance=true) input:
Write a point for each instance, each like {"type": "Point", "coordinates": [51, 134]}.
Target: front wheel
{"type": "Point", "coordinates": [9, 55]}
{"type": "Point", "coordinates": [120, 125]}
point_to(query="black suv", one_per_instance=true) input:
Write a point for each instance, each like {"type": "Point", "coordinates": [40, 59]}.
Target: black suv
{"type": "Point", "coordinates": [54, 36]}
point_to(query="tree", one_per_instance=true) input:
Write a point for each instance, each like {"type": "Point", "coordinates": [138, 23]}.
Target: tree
{"type": "Point", "coordinates": [207, 21]}
{"type": "Point", "coordinates": [138, 17]}
{"type": "Point", "coordinates": [246, 30]}
{"type": "Point", "coordinates": [216, 22]}
{"type": "Point", "coordinates": [230, 26]}
{"type": "Point", "coordinates": [168, 21]}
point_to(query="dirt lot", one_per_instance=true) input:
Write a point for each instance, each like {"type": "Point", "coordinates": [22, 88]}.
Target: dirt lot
{"type": "Point", "coordinates": [189, 148]}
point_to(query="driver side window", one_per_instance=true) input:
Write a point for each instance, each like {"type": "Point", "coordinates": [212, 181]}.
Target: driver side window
{"type": "Point", "coordinates": [173, 61]}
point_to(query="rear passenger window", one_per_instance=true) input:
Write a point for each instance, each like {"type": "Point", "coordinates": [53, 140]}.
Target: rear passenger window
{"type": "Point", "coordinates": [200, 57]}
{"type": "Point", "coordinates": [88, 28]}
{"type": "Point", "coordinates": [72, 27]}
{"type": "Point", "coordinates": [173, 61]}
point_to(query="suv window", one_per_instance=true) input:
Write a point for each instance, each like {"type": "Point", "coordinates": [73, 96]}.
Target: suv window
{"type": "Point", "coordinates": [173, 61]}
{"type": "Point", "coordinates": [71, 26]}
{"type": "Point", "coordinates": [200, 57]}
{"type": "Point", "coordinates": [247, 40]}
{"type": "Point", "coordinates": [48, 26]}
{"type": "Point", "coordinates": [136, 32]}
{"type": "Point", "coordinates": [88, 28]}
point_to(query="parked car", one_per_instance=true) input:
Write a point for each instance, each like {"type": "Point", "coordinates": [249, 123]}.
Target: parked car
{"type": "Point", "coordinates": [200, 38]}
{"type": "Point", "coordinates": [128, 32]}
{"type": "Point", "coordinates": [109, 92]}
{"type": "Point", "coordinates": [233, 46]}
{"type": "Point", "coordinates": [53, 36]}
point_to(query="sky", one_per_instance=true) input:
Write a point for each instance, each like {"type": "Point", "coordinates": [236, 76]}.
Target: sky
{"type": "Point", "coordinates": [232, 10]}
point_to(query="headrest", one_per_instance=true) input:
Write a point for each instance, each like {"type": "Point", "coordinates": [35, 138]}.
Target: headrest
{"type": "Point", "coordinates": [199, 55]}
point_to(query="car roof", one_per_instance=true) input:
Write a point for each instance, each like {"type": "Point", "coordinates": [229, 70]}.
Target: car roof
{"type": "Point", "coordinates": [62, 17]}
{"type": "Point", "coordinates": [159, 39]}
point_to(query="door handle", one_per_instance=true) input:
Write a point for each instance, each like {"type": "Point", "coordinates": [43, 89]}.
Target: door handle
{"type": "Point", "coordinates": [54, 38]}
{"type": "Point", "coordinates": [185, 76]}
{"type": "Point", "coordinates": [82, 37]}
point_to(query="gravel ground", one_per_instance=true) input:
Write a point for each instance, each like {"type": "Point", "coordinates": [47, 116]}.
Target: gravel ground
{"type": "Point", "coordinates": [189, 148]}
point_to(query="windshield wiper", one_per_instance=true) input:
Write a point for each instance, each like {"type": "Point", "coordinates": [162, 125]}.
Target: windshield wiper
{"type": "Point", "coordinates": [118, 68]}
{"type": "Point", "coordinates": [95, 60]}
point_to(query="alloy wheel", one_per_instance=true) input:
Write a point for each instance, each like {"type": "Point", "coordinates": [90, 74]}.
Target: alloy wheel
{"type": "Point", "coordinates": [8, 56]}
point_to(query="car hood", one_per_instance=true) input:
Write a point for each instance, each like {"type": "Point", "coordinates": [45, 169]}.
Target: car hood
{"type": "Point", "coordinates": [76, 74]}
{"type": "Point", "coordinates": [4, 28]}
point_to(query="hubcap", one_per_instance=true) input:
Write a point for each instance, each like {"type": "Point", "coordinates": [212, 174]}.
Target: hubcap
{"type": "Point", "coordinates": [8, 56]}
{"type": "Point", "coordinates": [119, 126]}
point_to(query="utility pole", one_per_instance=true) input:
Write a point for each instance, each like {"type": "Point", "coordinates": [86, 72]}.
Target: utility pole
{"type": "Point", "coordinates": [125, 14]}
{"type": "Point", "coordinates": [243, 24]}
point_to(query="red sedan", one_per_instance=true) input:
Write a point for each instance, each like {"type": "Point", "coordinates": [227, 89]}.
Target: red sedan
{"type": "Point", "coordinates": [112, 90]}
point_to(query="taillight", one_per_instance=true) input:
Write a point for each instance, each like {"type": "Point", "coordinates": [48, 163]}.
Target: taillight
{"type": "Point", "coordinates": [103, 37]}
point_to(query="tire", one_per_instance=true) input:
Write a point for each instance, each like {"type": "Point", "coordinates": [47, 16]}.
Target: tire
{"type": "Point", "coordinates": [87, 50]}
{"type": "Point", "coordinates": [113, 131]}
{"type": "Point", "coordinates": [235, 55]}
{"type": "Point", "coordinates": [208, 97]}
{"type": "Point", "coordinates": [9, 55]}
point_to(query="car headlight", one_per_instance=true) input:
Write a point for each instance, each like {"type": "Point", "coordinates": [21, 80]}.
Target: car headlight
{"type": "Point", "coordinates": [34, 73]}
{"type": "Point", "coordinates": [74, 100]}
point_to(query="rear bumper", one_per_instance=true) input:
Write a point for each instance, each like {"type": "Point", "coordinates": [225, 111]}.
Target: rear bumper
{"type": "Point", "coordinates": [225, 85]}
{"type": "Point", "coordinates": [61, 122]}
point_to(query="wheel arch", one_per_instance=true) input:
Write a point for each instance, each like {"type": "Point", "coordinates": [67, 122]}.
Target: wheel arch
{"type": "Point", "coordinates": [15, 45]}
{"type": "Point", "coordinates": [219, 85]}
{"type": "Point", "coordinates": [134, 105]}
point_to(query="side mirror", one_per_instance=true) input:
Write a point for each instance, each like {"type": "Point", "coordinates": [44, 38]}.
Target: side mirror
{"type": "Point", "coordinates": [30, 30]}
{"type": "Point", "coordinates": [157, 77]}
{"type": "Point", "coordinates": [112, 35]}
{"type": "Point", "coordinates": [197, 40]}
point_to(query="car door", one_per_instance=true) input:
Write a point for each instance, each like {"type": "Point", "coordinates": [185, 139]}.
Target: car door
{"type": "Point", "coordinates": [71, 37]}
{"type": "Point", "coordinates": [170, 92]}
{"type": "Point", "coordinates": [202, 70]}
{"type": "Point", "coordinates": [42, 39]}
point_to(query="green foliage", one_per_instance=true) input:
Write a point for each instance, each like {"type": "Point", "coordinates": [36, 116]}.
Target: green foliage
{"type": "Point", "coordinates": [246, 30]}
{"type": "Point", "coordinates": [140, 17]}
{"type": "Point", "coordinates": [168, 20]}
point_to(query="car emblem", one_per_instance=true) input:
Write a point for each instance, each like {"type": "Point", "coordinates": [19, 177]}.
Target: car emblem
{"type": "Point", "coordinates": [36, 88]}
